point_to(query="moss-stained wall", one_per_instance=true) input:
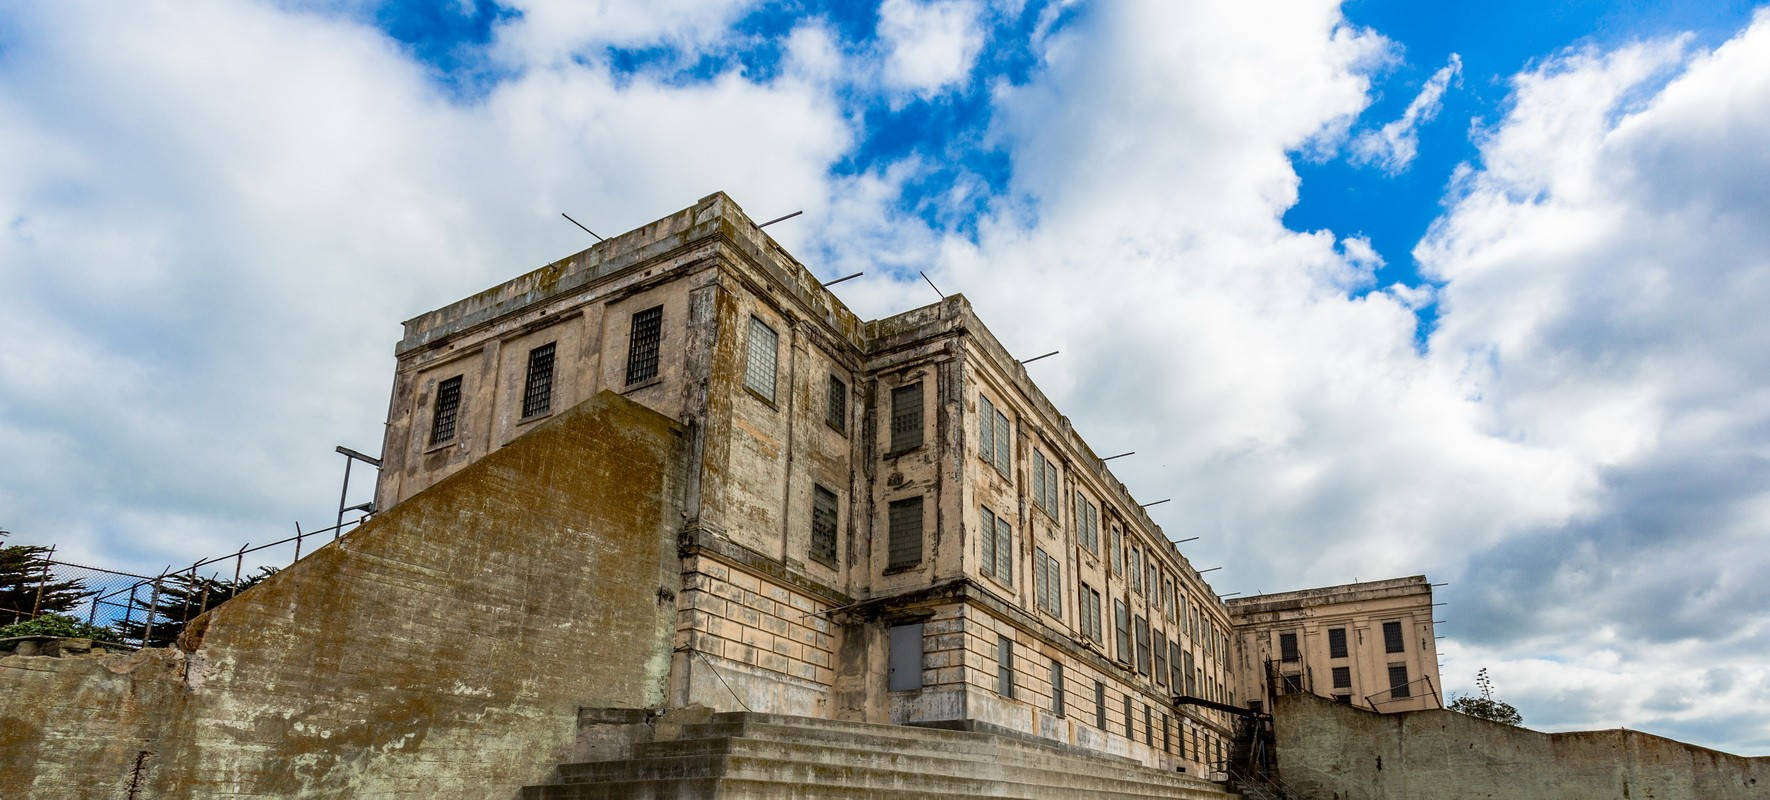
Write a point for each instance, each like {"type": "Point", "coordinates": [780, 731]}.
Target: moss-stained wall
{"type": "Point", "coordinates": [439, 651]}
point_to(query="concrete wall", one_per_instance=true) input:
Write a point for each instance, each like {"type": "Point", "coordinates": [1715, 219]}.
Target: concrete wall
{"type": "Point", "coordinates": [439, 651]}
{"type": "Point", "coordinates": [1330, 751]}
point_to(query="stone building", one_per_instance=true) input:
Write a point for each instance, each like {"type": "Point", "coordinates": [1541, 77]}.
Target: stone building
{"type": "Point", "coordinates": [885, 520]}
{"type": "Point", "coordinates": [1367, 644]}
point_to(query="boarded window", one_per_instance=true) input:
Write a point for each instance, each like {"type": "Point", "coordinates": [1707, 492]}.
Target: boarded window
{"type": "Point", "coordinates": [905, 657]}
{"type": "Point", "coordinates": [1398, 683]}
{"type": "Point", "coordinates": [1161, 659]}
{"type": "Point", "coordinates": [1048, 583]}
{"type": "Point", "coordinates": [1130, 729]}
{"type": "Point", "coordinates": [1392, 637]}
{"type": "Point", "coordinates": [1056, 687]}
{"type": "Point", "coordinates": [1287, 647]}
{"type": "Point", "coordinates": [1122, 623]}
{"type": "Point", "coordinates": [1100, 705]}
{"type": "Point", "coordinates": [1088, 523]}
{"type": "Point", "coordinates": [1142, 646]}
{"type": "Point", "coordinates": [1005, 666]}
{"type": "Point", "coordinates": [1148, 726]}
{"type": "Point", "coordinates": [760, 359]}
{"type": "Point", "coordinates": [1167, 743]}
{"type": "Point", "coordinates": [823, 525]}
{"type": "Point", "coordinates": [1336, 642]}
{"type": "Point", "coordinates": [906, 417]}
{"type": "Point", "coordinates": [905, 532]}
{"type": "Point", "coordinates": [448, 409]}
{"type": "Point", "coordinates": [1176, 677]}
{"type": "Point", "coordinates": [1342, 677]}
{"type": "Point", "coordinates": [997, 539]}
{"type": "Point", "coordinates": [836, 409]}
{"type": "Point", "coordinates": [1191, 675]}
{"type": "Point", "coordinates": [642, 345]}
{"type": "Point", "coordinates": [537, 383]}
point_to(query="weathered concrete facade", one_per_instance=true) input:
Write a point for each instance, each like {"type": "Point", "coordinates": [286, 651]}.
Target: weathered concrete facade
{"type": "Point", "coordinates": [440, 650]}
{"type": "Point", "coordinates": [1369, 644]}
{"type": "Point", "coordinates": [1330, 751]}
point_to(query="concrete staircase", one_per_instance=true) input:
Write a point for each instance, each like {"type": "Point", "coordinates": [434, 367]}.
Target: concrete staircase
{"type": "Point", "coordinates": [772, 756]}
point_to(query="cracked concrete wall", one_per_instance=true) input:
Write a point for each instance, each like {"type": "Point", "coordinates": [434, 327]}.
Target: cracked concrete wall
{"type": "Point", "coordinates": [1330, 751]}
{"type": "Point", "coordinates": [440, 651]}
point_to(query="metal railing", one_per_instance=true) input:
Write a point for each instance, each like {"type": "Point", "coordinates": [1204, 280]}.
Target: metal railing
{"type": "Point", "coordinates": [1391, 697]}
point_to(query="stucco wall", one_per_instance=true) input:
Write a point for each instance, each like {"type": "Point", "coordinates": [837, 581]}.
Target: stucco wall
{"type": "Point", "coordinates": [1331, 751]}
{"type": "Point", "coordinates": [462, 628]}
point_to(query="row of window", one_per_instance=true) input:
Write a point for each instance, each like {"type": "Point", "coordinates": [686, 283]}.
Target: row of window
{"type": "Point", "coordinates": [1210, 750]}
{"type": "Point", "coordinates": [1393, 642]}
{"type": "Point", "coordinates": [1400, 687]}
{"type": "Point", "coordinates": [644, 340]}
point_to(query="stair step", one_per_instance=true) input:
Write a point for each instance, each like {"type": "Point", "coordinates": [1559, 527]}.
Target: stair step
{"type": "Point", "coordinates": [748, 789]}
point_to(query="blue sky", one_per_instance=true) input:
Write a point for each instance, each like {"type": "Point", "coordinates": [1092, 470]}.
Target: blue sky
{"type": "Point", "coordinates": [1372, 288]}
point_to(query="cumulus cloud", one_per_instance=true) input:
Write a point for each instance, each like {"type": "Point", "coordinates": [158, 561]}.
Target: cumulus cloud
{"type": "Point", "coordinates": [1393, 146]}
{"type": "Point", "coordinates": [929, 47]}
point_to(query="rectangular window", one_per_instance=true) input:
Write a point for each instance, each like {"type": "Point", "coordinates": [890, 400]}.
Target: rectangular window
{"type": "Point", "coordinates": [905, 658]}
{"type": "Point", "coordinates": [448, 409]}
{"type": "Point", "coordinates": [1056, 687]}
{"type": "Point", "coordinates": [1005, 666]}
{"type": "Point", "coordinates": [1142, 646]}
{"type": "Point", "coordinates": [1134, 568]}
{"type": "Point", "coordinates": [906, 417]}
{"type": "Point", "coordinates": [1048, 583]}
{"type": "Point", "coordinates": [997, 538]}
{"type": "Point", "coordinates": [1344, 699]}
{"type": "Point", "coordinates": [1088, 523]}
{"type": "Point", "coordinates": [1118, 550]}
{"type": "Point", "coordinates": [823, 525]}
{"type": "Point", "coordinates": [1191, 676]}
{"type": "Point", "coordinates": [537, 383]}
{"type": "Point", "coordinates": [1167, 742]}
{"type": "Point", "coordinates": [1167, 596]}
{"type": "Point", "coordinates": [1293, 684]}
{"type": "Point", "coordinates": [1122, 621]}
{"type": "Point", "coordinates": [836, 406]}
{"type": "Point", "coordinates": [1004, 444]}
{"type": "Point", "coordinates": [1176, 678]}
{"type": "Point", "coordinates": [1392, 637]}
{"type": "Point", "coordinates": [1342, 677]}
{"type": "Point", "coordinates": [1045, 483]}
{"type": "Point", "coordinates": [1287, 648]}
{"type": "Point", "coordinates": [642, 345]}
{"type": "Point", "coordinates": [1090, 621]}
{"type": "Point", "coordinates": [1100, 705]}
{"type": "Point", "coordinates": [1130, 731]}
{"type": "Point", "coordinates": [760, 359]}
{"type": "Point", "coordinates": [1161, 659]}
{"type": "Point", "coordinates": [1148, 727]}
{"type": "Point", "coordinates": [1336, 642]}
{"type": "Point", "coordinates": [905, 532]}
{"type": "Point", "coordinates": [1398, 683]}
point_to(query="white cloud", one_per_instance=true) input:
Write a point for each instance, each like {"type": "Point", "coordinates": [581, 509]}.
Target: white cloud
{"type": "Point", "coordinates": [1393, 146]}
{"type": "Point", "coordinates": [929, 47]}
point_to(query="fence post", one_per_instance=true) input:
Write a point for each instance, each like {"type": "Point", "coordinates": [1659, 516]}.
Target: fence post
{"type": "Point", "coordinates": [147, 631]}
{"type": "Point", "coordinates": [297, 542]}
{"type": "Point", "coordinates": [240, 562]}
{"type": "Point", "coordinates": [37, 606]}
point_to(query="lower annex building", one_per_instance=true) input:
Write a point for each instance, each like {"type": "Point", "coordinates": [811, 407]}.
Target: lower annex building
{"type": "Point", "coordinates": [885, 520]}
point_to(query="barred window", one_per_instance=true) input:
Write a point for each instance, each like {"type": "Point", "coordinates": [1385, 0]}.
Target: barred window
{"type": "Point", "coordinates": [1056, 687]}
{"type": "Point", "coordinates": [823, 525]}
{"type": "Point", "coordinates": [1005, 666]}
{"type": "Point", "coordinates": [998, 547]}
{"type": "Point", "coordinates": [1191, 674]}
{"type": "Point", "coordinates": [1287, 647]}
{"type": "Point", "coordinates": [1161, 659]}
{"type": "Point", "coordinates": [537, 384]}
{"type": "Point", "coordinates": [906, 417]}
{"type": "Point", "coordinates": [1100, 705]}
{"type": "Point", "coordinates": [1398, 683]}
{"type": "Point", "coordinates": [1045, 483]}
{"type": "Point", "coordinates": [1129, 720]}
{"type": "Point", "coordinates": [1088, 523]}
{"type": "Point", "coordinates": [1142, 646]}
{"type": "Point", "coordinates": [1134, 568]}
{"type": "Point", "coordinates": [448, 408]}
{"type": "Point", "coordinates": [1342, 677]}
{"type": "Point", "coordinates": [1048, 583]}
{"type": "Point", "coordinates": [760, 359]}
{"type": "Point", "coordinates": [1118, 550]}
{"type": "Point", "coordinates": [836, 410]}
{"type": "Point", "coordinates": [1392, 642]}
{"type": "Point", "coordinates": [1122, 621]}
{"type": "Point", "coordinates": [993, 436]}
{"type": "Point", "coordinates": [905, 532]}
{"type": "Point", "coordinates": [642, 345]}
{"type": "Point", "coordinates": [1336, 642]}
{"type": "Point", "coordinates": [1176, 677]}
{"type": "Point", "coordinates": [1090, 621]}
{"type": "Point", "coordinates": [1004, 445]}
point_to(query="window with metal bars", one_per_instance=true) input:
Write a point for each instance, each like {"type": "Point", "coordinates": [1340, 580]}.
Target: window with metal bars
{"type": "Point", "coordinates": [1148, 727]}
{"type": "Point", "coordinates": [1287, 647]}
{"type": "Point", "coordinates": [1121, 617]}
{"type": "Point", "coordinates": [1056, 687]}
{"type": "Point", "coordinates": [997, 538]}
{"type": "Point", "coordinates": [1090, 621]}
{"type": "Point", "coordinates": [1342, 677]}
{"type": "Point", "coordinates": [1336, 642]}
{"type": "Point", "coordinates": [823, 525]}
{"type": "Point", "coordinates": [1130, 722]}
{"type": "Point", "coordinates": [537, 383]}
{"type": "Point", "coordinates": [1142, 646]}
{"type": "Point", "coordinates": [1191, 675]}
{"type": "Point", "coordinates": [1100, 705]}
{"type": "Point", "coordinates": [1045, 483]}
{"type": "Point", "coordinates": [642, 345]}
{"type": "Point", "coordinates": [1087, 523]}
{"type": "Point", "coordinates": [906, 417]}
{"type": "Point", "coordinates": [1392, 642]}
{"type": "Point", "coordinates": [836, 409]}
{"type": "Point", "coordinates": [1005, 666]}
{"type": "Point", "coordinates": [759, 359]}
{"type": "Point", "coordinates": [1161, 659]}
{"type": "Point", "coordinates": [448, 409]}
{"type": "Point", "coordinates": [1398, 683]}
{"type": "Point", "coordinates": [1048, 583]}
{"type": "Point", "coordinates": [1176, 677]}
{"type": "Point", "coordinates": [905, 532]}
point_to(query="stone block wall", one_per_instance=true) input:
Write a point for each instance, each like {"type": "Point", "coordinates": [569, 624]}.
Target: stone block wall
{"type": "Point", "coordinates": [1330, 751]}
{"type": "Point", "coordinates": [439, 651]}
{"type": "Point", "coordinates": [747, 642]}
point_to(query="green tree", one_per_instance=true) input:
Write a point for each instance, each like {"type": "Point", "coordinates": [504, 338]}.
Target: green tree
{"type": "Point", "coordinates": [1485, 706]}
{"type": "Point", "coordinates": [24, 592]}
{"type": "Point", "coordinates": [58, 625]}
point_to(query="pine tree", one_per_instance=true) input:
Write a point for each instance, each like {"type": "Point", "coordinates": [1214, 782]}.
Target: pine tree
{"type": "Point", "coordinates": [22, 579]}
{"type": "Point", "coordinates": [1485, 706]}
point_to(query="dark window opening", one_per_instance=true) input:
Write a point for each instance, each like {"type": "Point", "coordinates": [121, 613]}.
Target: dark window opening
{"type": "Point", "coordinates": [1342, 677]}
{"type": "Point", "coordinates": [1392, 637]}
{"type": "Point", "coordinates": [1100, 705]}
{"type": "Point", "coordinates": [823, 525]}
{"type": "Point", "coordinates": [836, 411]}
{"type": "Point", "coordinates": [1130, 722]}
{"type": "Point", "coordinates": [1398, 683]}
{"type": "Point", "coordinates": [1344, 699]}
{"type": "Point", "coordinates": [537, 384]}
{"type": "Point", "coordinates": [1056, 687]}
{"type": "Point", "coordinates": [906, 417]}
{"type": "Point", "coordinates": [642, 345]}
{"type": "Point", "coordinates": [448, 409]}
{"type": "Point", "coordinates": [1005, 666]}
{"type": "Point", "coordinates": [905, 532]}
{"type": "Point", "coordinates": [1336, 642]}
{"type": "Point", "coordinates": [1287, 647]}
